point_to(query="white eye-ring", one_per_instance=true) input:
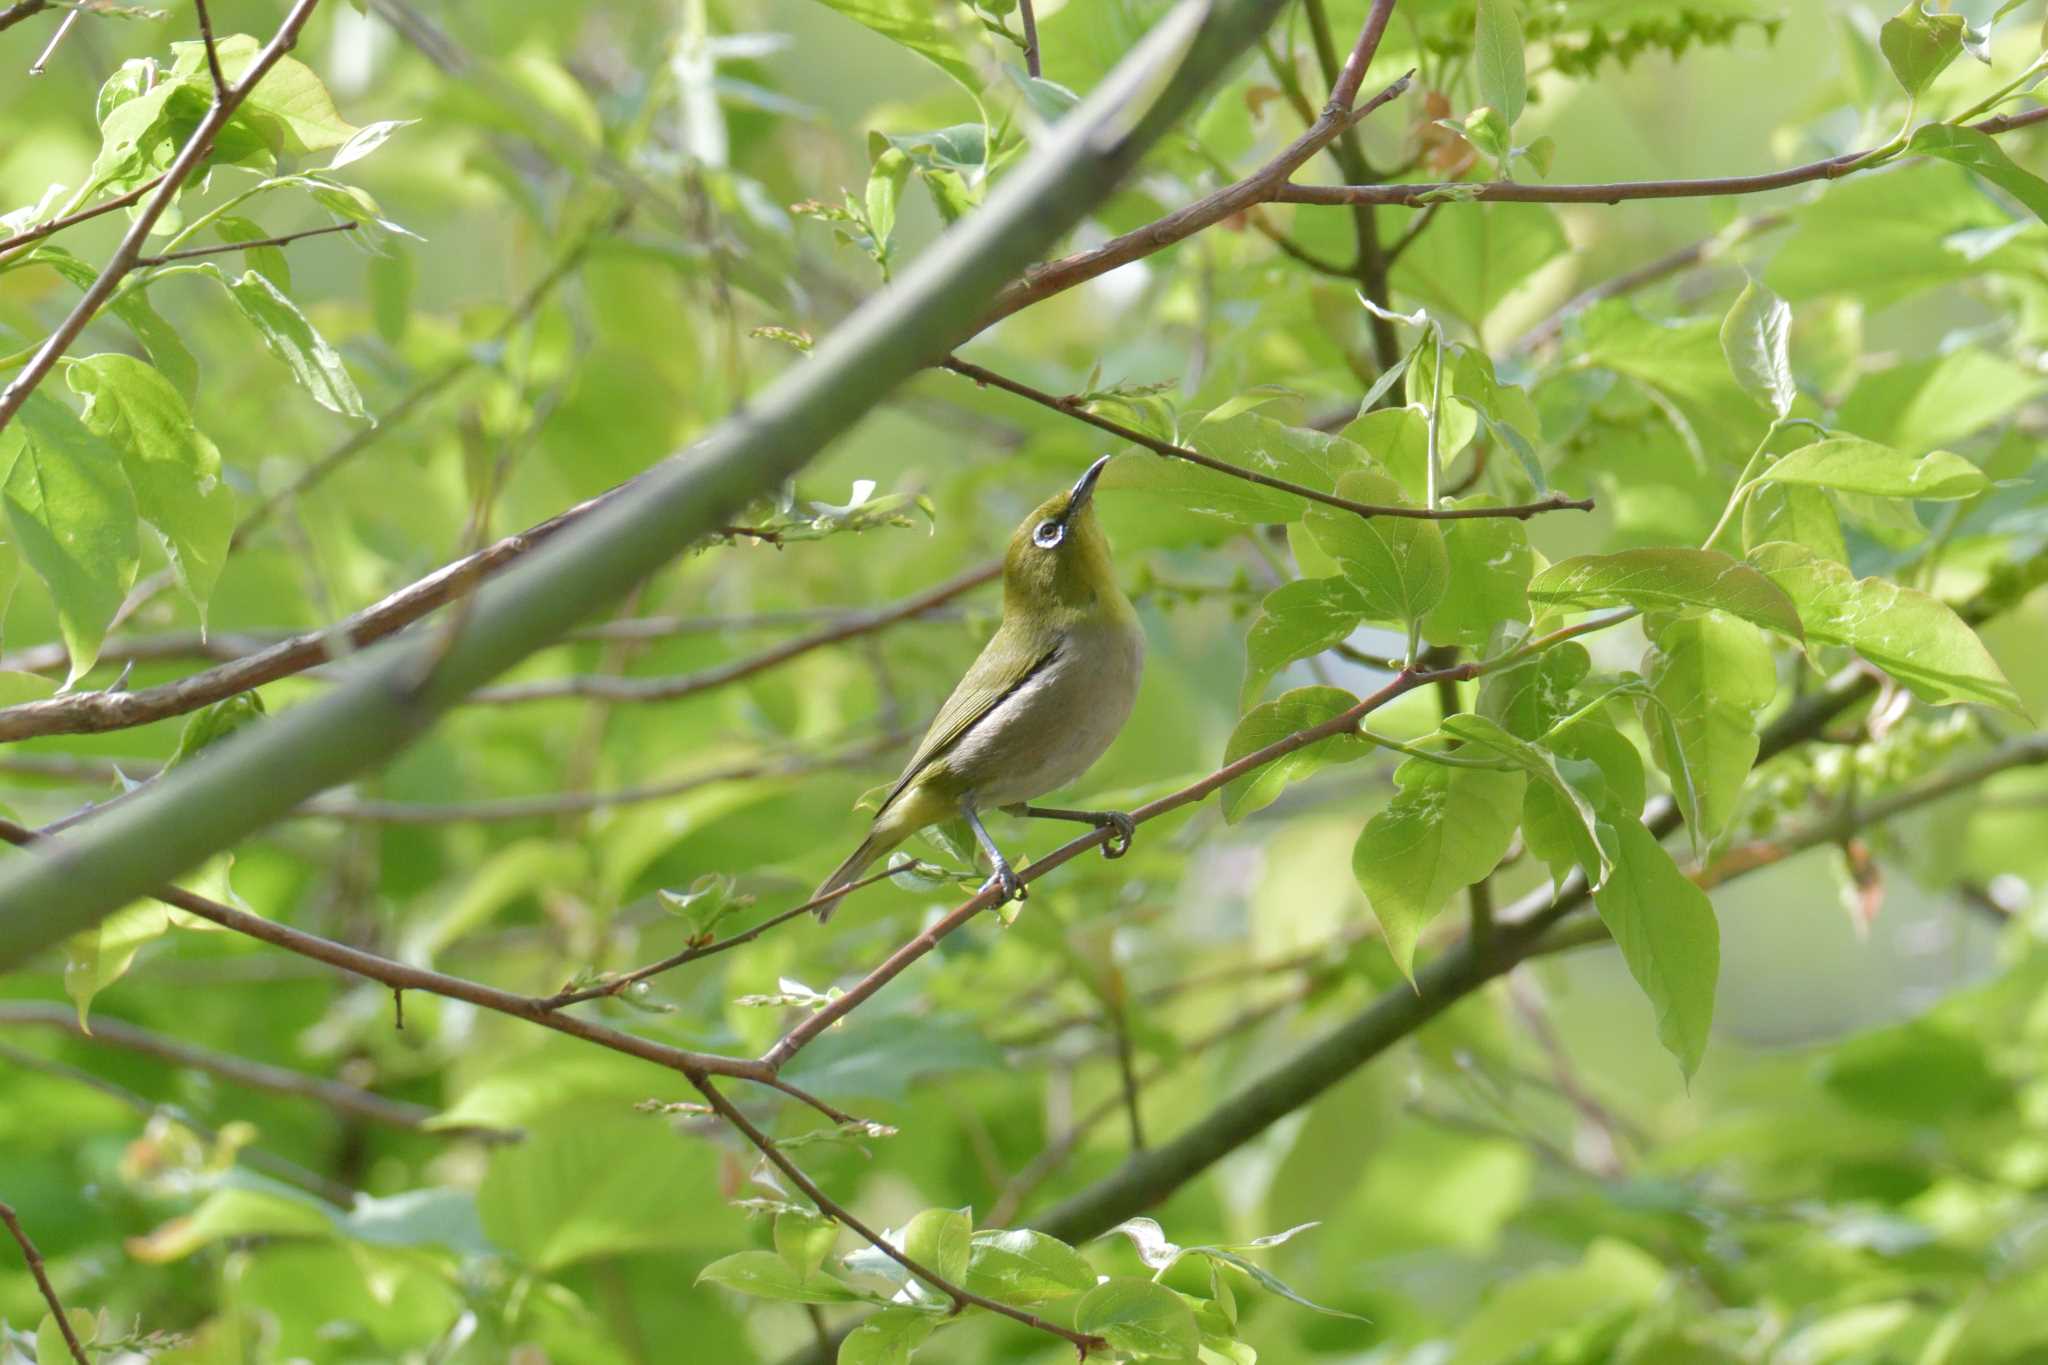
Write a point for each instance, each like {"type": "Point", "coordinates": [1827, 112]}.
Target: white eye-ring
{"type": "Point", "coordinates": [1047, 534]}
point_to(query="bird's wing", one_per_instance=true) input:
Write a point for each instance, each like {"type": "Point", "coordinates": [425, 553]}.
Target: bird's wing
{"type": "Point", "coordinates": [991, 678]}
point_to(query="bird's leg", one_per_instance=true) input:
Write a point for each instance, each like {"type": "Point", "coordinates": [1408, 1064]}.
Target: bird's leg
{"type": "Point", "coordinates": [1005, 878]}
{"type": "Point", "coordinates": [1122, 827]}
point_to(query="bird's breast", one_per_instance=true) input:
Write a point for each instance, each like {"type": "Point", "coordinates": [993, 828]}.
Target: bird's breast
{"type": "Point", "coordinates": [1048, 732]}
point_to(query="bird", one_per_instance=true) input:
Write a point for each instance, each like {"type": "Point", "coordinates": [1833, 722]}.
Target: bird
{"type": "Point", "coordinates": [1041, 703]}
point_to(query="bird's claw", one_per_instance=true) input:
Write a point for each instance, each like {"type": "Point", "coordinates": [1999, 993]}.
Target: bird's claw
{"type": "Point", "coordinates": [1009, 886]}
{"type": "Point", "coordinates": [1122, 828]}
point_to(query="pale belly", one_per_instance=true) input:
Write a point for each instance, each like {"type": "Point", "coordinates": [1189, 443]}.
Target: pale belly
{"type": "Point", "coordinates": [1053, 728]}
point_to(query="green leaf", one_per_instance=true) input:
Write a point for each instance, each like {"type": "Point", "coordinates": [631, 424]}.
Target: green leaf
{"type": "Point", "coordinates": [1023, 1267]}
{"type": "Point", "coordinates": [133, 307]}
{"type": "Point", "coordinates": [804, 1239]}
{"type": "Point", "coordinates": [885, 185]}
{"type": "Point", "coordinates": [1497, 57]}
{"type": "Point", "coordinates": [172, 466]}
{"type": "Point", "coordinates": [1668, 578]}
{"type": "Point", "coordinates": [1916, 638]}
{"type": "Point", "coordinates": [1713, 676]}
{"type": "Point", "coordinates": [1298, 620]}
{"type": "Point", "coordinates": [50, 1342]}
{"type": "Point", "coordinates": [1139, 1318]}
{"type": "Point", "coordinates": [268, 261]}
{"type": "Point", "coordinates": [1607, 772]}
{"type": "Point", "coordinates": [289, 106]}
{"type": "Point", "coordinates": [766, 1275]}
{"type": "Point", "coordinates": [1668, 936]}
{"type": "Point", "coordinates": [1445, 829]}
{"type": "Point", "coordinates": [938, 1240]}
{"type": "Point", "coordinates": [1805, 516]}
{"type": "Point", "coordinates": [212, 724]}
{"type": "Point", "coordinates": [1980, 153]}
{"type": "Point", "coordinates": [98, 957]}
{"type": "Point", "coordinates": [390, 276]}
{"type": "Point", "coordinates": [1756, 337]}
{"type": "Point", "coordinates": [1470, 260]}
{"type": "Point", "coordinates": [1533, 695]}
{"type": "Point", "coordinates": [1490, 566]}
{"type": "Point", "coordinates": [1398, 564]}
{"type": "Point", "coordinates": [889, 1337]}
{"type": "Point", "coordinates": [598, 1182]}
{"type": "Point", "coordinates": [1850, 464]}
{"type": "Point", "coordinates": [1268, 1281]}
{"type": "Point", "coordinates": [1273, 721]}
{"type": "Point", "coordinates": [1480, 733]}
{"type": "Point", "coordinates": [366, 140]}
{"type": "Point", "coordinates": [292, 339]}
{"type": "Point", "coordinates": [73, 515]}
{"type": "Point", "coordinates": [1919, 46]}
{"type": "Point", "coordinates": [915, 25]}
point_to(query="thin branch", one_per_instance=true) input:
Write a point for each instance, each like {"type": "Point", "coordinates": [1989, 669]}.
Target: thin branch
{"type": "Point", "coordinates": [1415, 229]}
{"type": "Point", "coordinates": [1030, 19]}
{"type": "Point", "coordinates": [20, 10]}
{"type": "Point", "coordinates": [342, 1098]}
{"type": "Point", "coordinates": [42, 1278]}
{"type": "Point", "coordinates": [55, 225]}
{"type": "Point", "coordinates": [221, 249]}
{"type": "Point", "coordinates": [1371, 262]}
{"type": "Point", "coordinates": [1073, 407]}
{"type": "Point", "coordinates": [401, 976]}
{"type": "Point", "coordinates": [42, 60]}
{"type": "Point", "coordinates": [1517, 192]}
{"type": "Point", "coordinates": [613, 985]}
{"type": "Point", "coordinates": [123, 260]}
{"type": "Point", "coordinates": [1041, 282]}
{"type": "Point", "coordinates": [1686, 257]}
{"type": "Point", "coordinates": [961, 1298]}
{"type": "Point", "coordinates": [93, 712]}
{"type": "Point", "coordinates": [690, 684]}
{"type": "Point", "coordinates": [1265, 227]}
{"type": "Point", "coordinates": [220, 80]}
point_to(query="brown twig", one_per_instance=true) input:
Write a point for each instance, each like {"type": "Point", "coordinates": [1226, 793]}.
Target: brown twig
{"type": "Point", "coordinates": [221, 249]}
{"type": "Point", "coordinates": [1030, 20]}
{"type": "Point", "coordinates": [1517, 192]}
{"type": "Point", "coordinates": [690, 684]}
{"type": "Point", "coordinates": [1041, 282]}
{"type": "Point", "coordinates": [220, 80]}
{"type": "Point", "coordinates": [92, 712]}
{"type": "Point", "coordinates": [42, 61]}
{"type": "Point", "coordinates": [1074, 408]}
{"type": "Point", "coordinates": [42, 1278]}
{"type": "Point", "coordinates": [123, 260]}
{"type": "Point", "coordinates": [612, 985]}
{"type": "Point", "coordinates": [406, 977]}
{"type": "Point", "coordinates": [42, 230]}
{"type": "Point", "coordinates": [20, 10]}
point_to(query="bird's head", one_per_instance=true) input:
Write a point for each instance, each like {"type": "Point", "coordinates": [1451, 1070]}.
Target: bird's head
{"type": "Point", "coordinates": [1059, 557]}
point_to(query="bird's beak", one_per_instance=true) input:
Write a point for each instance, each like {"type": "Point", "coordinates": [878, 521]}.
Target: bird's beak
{"type": "Point", "coordinates": [1084, 487]}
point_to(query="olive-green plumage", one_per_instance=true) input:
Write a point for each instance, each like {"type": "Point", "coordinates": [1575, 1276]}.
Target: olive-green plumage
{"type": "Point", "coordinates": [1048, 693]}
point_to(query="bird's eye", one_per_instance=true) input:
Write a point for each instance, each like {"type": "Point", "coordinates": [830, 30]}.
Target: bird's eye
{"type": "Point", "coordinates": [1047, 534]}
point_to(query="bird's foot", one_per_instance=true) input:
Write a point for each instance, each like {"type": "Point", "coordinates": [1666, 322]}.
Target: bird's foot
{"type": "Point", "coordinates": [1122, 829]}
{"type": "Point", "coordinates": [1007, 884]}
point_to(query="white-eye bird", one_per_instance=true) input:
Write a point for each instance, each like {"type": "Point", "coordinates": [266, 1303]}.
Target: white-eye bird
{"type": "Point", "coordinates": [1049, 692]}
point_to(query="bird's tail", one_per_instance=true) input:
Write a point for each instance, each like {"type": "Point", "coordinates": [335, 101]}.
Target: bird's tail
{"type": "Point", "coordinates": [878, 842]}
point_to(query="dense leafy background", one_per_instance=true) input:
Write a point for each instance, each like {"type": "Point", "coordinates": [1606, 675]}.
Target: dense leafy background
{"type": "Point", "coordinates": [1857, 1168]}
